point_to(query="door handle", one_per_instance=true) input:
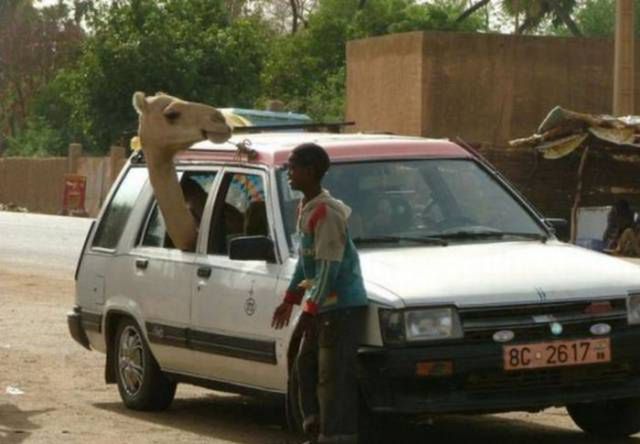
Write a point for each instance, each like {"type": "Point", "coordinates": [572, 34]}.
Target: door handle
{"type": "Point", "coordinates": [142, 264]}
{"type": "Point", "coordinates": [204, 272]}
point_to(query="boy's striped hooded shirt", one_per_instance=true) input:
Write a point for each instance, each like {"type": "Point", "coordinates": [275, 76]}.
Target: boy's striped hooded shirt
{"type": "Point", "coordinates": [327, 274]}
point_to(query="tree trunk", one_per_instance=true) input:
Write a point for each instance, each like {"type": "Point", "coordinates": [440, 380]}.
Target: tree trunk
{"type": "Point", "coordinates": [467, 12]}
{"type": "Point", "coordinates": [566, 19]}
{"type": "Point", "coordinates": [295, 16]}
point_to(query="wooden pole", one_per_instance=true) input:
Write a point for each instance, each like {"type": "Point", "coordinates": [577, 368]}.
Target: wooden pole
{"type": "Point", "coordinates": [623, 70]}
{"type": "Point", "coordinates": [73, 158]}
{"type": "Point", "coordinates": [116, 160]}
{"type": "Point", "coordinates": [578, 196]}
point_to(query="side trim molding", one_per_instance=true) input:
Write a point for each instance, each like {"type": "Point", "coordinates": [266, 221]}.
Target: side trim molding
{"type": "Point", "coordinates": [233, 346]}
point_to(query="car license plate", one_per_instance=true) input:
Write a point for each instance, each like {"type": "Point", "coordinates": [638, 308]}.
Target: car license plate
{"type": "Point", "coordinates": [556, 353]}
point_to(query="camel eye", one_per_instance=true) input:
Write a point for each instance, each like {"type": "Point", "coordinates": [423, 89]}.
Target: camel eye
{"type": "Point", "coordinates": [171, 116]}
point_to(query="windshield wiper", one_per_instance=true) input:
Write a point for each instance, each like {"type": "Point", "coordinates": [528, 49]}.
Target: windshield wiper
{"type": "Point", "coordinates": [429, 240]}
{"type": "Point", "coordinates": [462, 234]}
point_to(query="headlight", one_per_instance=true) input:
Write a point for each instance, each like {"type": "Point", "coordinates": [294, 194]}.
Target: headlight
{"type": "Point", "coordinates": [438, 323]}
{"type": "Point", "coordinates": [633, 308]}
{"type": "Point", "coordinates": [398, 326]}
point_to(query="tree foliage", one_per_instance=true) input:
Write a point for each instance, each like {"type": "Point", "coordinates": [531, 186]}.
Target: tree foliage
{"type": "Point", "coordinates": [190, 49]}
{"type": "Point", "coordinates": [597, 18]}
{"type": "Point", "coordinates": [536, 11]}
{"type": "Point", "coordinates": [315, 81]}
{"type": "Point", "coordinates": [34, 45]}
{"type": "Point", "coordinates": [60, 85]}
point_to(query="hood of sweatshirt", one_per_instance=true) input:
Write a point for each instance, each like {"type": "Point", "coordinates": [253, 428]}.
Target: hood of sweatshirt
{"type": "Point", "coordinates": [342, 209]}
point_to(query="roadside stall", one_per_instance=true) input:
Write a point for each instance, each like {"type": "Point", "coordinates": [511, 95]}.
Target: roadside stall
{"type": "Point", "coordinates": [564, 132]}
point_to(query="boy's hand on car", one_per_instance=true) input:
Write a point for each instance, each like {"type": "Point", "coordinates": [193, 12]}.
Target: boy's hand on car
{"type": "Point", "coordinates": [282, 315]}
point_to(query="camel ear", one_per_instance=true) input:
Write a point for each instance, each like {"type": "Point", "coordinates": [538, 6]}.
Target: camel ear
{"type": "Point", "coordinates": [139, 102]}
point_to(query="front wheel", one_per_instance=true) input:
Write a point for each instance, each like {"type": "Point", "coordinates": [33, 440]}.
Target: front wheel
{"type": "Point", "coordinates": [617, 418]}
{"type": "Point", "coordinates": [141, 383]}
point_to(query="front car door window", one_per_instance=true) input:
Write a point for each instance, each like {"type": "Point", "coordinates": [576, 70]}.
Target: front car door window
{"type": "Point", "coordinates": [242, 211]}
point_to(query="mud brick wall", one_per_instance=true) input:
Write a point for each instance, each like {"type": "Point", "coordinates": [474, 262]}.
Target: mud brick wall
{"type": "Point", "coordinates": [38, 184]}
{"type": "Point", "coordinates": [489, 89]}
{"type": "Point", "coordinates": [35, 184]}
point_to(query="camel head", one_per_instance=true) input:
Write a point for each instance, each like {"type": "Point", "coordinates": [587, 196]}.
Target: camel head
{"type": "Point", "coordinates": [168, 124]}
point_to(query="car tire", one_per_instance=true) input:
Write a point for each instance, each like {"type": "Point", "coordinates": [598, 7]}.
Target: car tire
{"type": "Point", "coordinates": [617, 418]}
{"type": "Point", "coordinates": [141, 383]}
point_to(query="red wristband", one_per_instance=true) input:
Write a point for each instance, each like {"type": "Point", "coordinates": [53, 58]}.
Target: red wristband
{"type": "Point", "coordinates": [310, 307]}
{"type": "Point", "coordinates": [293, 297]}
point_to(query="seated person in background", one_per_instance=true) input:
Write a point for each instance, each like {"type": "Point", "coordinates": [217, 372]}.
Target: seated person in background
{"type": "Point", "coordinates": [255, 222]}
{"type": "Point", "coordinates": [381, 220]}
{"type": "Point", "coordinates": [620, 218]}
{"type": "Point", "coordinates": [629, 242]}
{"type": "Point", "coordinates": [195, 197]}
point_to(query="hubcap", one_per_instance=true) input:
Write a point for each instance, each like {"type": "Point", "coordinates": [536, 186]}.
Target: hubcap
{"type": "Point", "coordinates": [131, 362]}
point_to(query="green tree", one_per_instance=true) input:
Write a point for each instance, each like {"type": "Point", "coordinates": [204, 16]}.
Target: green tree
{"type": "Point", "coordinates": [536, 11]}
{"type": "Point", "coordinates": [188, 48]}
{"type": "Point", "coordinates": [34, 44]}
{"type": "Point", "coordinates": [597, 18]}
{"type": "Point", "coordinates": [307, 69]}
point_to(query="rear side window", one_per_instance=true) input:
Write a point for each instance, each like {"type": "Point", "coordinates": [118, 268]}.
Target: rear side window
{"type": "Point", "coordinates": [115, 217]}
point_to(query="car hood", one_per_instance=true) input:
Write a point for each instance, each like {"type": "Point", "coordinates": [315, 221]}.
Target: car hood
{"type": "Point", "coordinates": [494, 273]}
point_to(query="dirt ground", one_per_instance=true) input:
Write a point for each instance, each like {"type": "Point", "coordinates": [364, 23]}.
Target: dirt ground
{"type": "Point", "coordinates": [52, 391]}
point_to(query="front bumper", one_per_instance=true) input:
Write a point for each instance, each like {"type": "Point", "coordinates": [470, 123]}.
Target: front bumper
{"type": "Point", "coordinates": [76, 329]}
{"type": "Point", "coordinates": [479, 383]}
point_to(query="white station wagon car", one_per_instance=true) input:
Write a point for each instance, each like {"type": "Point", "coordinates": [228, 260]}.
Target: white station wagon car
{"type": "Point", "coordinates": [475, 305]}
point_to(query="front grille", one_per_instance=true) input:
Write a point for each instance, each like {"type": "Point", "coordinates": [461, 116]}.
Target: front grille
{"type": "Point", "coordinates": [565, 378]}
{"type": "Point", "coordinates": [531, 322]}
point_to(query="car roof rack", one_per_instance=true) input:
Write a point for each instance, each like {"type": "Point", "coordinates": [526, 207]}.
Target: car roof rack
{"type": "Point", "coordinates": [332, 127]}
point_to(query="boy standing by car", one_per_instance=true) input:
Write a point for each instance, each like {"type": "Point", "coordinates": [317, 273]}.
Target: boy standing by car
{"type": "Point", "coordinates": [328, 282]}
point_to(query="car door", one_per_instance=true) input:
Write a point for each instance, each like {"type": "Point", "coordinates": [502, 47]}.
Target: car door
{"type": "Point", "coordinates": [233, 301]}
{"type": "Point", "coordinates": [163, 278]}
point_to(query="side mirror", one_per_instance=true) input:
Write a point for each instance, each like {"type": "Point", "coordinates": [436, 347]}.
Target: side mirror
{"type": "Point", "coordinates": [555, 223]}
{"type": "Point", "coordinates": [252, 248]}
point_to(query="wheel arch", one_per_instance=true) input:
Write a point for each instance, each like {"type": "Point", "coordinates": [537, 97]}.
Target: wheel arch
{"type": "Point", "coordinates": [113, 317]}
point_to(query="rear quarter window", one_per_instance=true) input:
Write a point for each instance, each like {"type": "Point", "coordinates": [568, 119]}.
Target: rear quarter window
{"type": "Point", "coordinates": [117, 213]}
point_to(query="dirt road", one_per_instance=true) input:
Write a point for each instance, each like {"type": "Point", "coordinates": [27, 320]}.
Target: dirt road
{"type": "Point", "coordinates": [65, 399]}
{"type": "Point", "coordinates": [52, 391]}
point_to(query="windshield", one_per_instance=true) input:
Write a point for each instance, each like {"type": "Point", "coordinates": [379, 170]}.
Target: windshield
{"type": "Point", "coordinates": [435, 201]}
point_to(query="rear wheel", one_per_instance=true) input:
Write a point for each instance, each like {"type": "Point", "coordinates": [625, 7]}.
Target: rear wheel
{"type": "Point", "coordinates": [617, 418]}
{"type": "Point", "coordinates": [141, 383]}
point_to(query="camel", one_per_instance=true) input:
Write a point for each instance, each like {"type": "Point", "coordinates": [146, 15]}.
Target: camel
{"type": "Point", "coordinates": [168, 125]}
